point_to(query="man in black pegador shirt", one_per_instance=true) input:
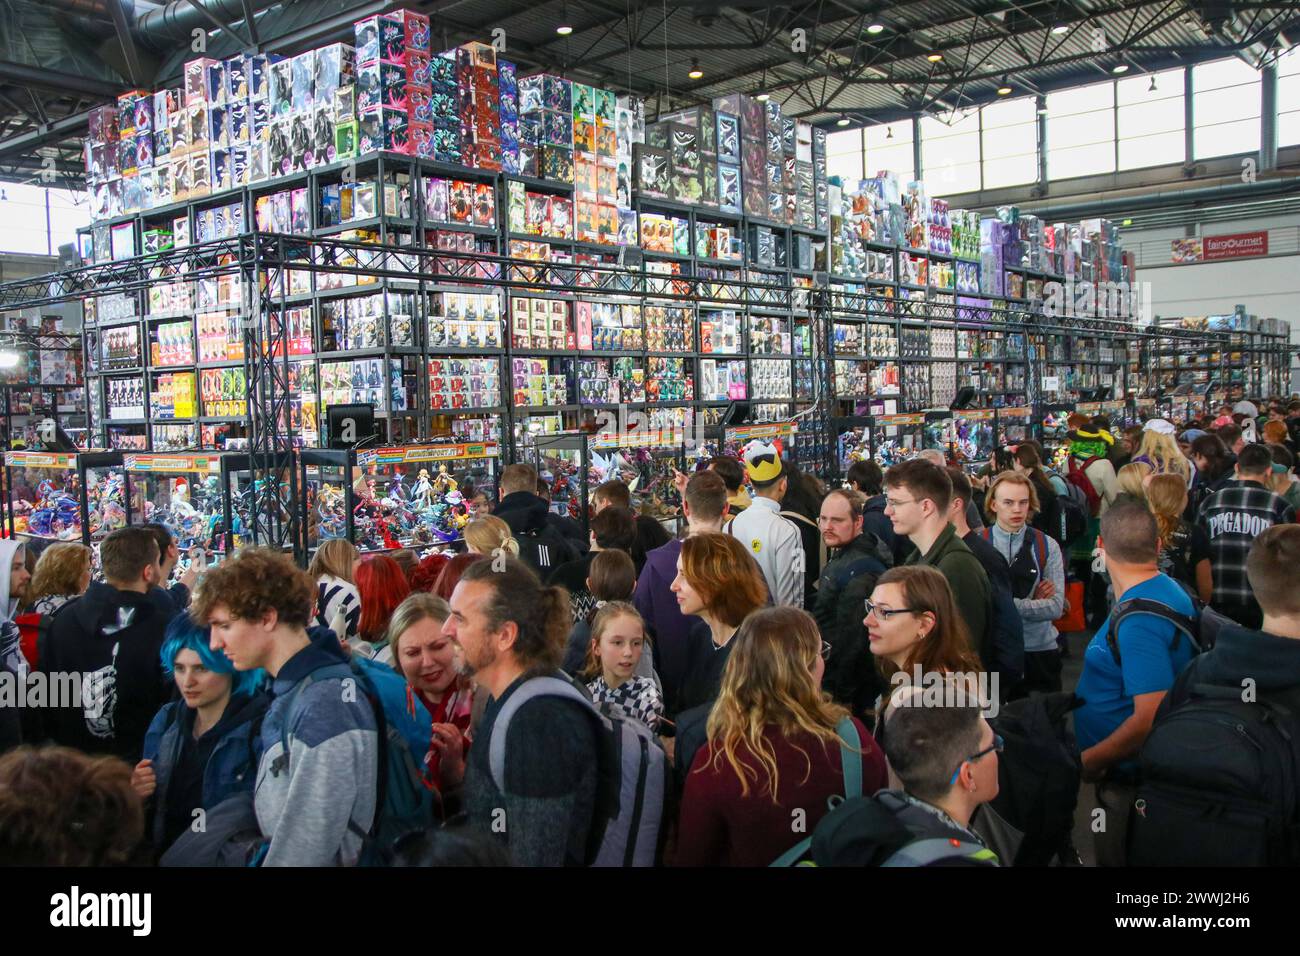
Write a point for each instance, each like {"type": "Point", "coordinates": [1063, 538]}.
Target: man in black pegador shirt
{"type": "Point", "coordinates": [531, 781]}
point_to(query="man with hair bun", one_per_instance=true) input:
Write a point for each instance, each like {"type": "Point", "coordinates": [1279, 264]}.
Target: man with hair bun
{"type": "Point", "coordinates": [509, 629]}
{"type": "Point", "coordinates": [315, 799]}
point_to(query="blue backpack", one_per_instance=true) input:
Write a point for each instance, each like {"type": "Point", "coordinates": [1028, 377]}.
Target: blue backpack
{"type": "Point", "coordinates": [405, 798]}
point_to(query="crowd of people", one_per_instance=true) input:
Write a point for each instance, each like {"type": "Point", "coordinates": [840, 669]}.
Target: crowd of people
{"type": "Point", "coordinates": [879, 664]}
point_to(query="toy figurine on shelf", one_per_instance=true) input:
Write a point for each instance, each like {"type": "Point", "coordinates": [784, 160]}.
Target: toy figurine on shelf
{"type": "Point", "coordinates": [444, 483]}
{"type": "Point", "coordinates": [421, 492]}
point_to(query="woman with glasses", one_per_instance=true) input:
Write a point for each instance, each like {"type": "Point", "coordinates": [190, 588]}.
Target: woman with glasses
{"type": "Point", "coordinates": [778, 752]}
{"type": "Point", "coordinates": [914, 629]}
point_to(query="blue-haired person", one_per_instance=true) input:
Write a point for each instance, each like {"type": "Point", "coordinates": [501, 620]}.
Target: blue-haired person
{"type": "Point", "coordinates": [205, 746]}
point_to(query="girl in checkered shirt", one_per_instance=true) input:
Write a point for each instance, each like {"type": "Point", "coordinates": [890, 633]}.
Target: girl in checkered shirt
{"type": "Point", "coordinates": [617, 642]}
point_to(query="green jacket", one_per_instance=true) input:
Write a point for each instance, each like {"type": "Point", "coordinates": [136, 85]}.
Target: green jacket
{"type": "Point", "coordinates": [966, 577]}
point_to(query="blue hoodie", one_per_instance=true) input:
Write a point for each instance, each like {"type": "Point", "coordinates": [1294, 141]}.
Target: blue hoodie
{"type": "Point", "coordinates": [314, 803]}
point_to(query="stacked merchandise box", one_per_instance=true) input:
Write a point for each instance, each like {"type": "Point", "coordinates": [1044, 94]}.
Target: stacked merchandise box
{"type": "Point", "coordinates": [393, 82]}
{"type": "Point", "coordinates": [752, 120]}
{"type": "Point", "coordinates": [779, 167]}
{"type": "Point", "coordinates": [682, 145]}
{"type": "Point", "coordinates": [804, 197]}
{"type": "Point", "coordinates": [546, 128]}
{"type": "Point", "coordinates": [629, 133]}
{"type": "Point", "coordinates": [508, 105]}
{"type": "Point", "coordinates": [103, 180]}
{"type": "Point", "coordinates": [135, 147]}
{"type": "Point", "coordinates": [301, 106]}
{"type": "Point", "coordinates": [595, 164]}
{"type": "Point", "coordinates": [480, 113]}
{"type": "Point", "coordinates": [821, 207]}
{"type": "Point", "coordinates": [693, 159]}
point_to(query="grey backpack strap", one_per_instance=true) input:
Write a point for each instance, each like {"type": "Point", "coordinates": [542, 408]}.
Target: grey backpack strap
{"type": "Point", "coordinates": [530, 689]}
{"type": "Point", "coordinates": [926, 852]}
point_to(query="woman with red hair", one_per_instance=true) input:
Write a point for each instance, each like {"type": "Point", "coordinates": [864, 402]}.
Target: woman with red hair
{"type": "Point", "coordinates": [449, 577]}
{"type": "Point", "coordinates": [382, 587]}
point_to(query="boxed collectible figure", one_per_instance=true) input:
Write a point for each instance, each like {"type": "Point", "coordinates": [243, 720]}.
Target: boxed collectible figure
{"type": "Point", "coordinates": [345, 140]}
{"type": "Point", "coordinates": [280, 88]}
{"type": "Point", "coordinates": [196, 80]}
{"type": "Point", "coordinates": [685, 146]}
{"type": "Point", "coordinates": [218, 127]}
{"type": "Point", "coordinates": [237, 120]}
{"type": "Point", "coordinates": [335, 67]}
{"type": "Point", "coordinates": [651, 171]}
{"type": "Point", "coordinates": [687, 186]}
{"type": "Point", "coordinates": [303, 78]}
{"type": "Point", "coordinates": [728, 137]}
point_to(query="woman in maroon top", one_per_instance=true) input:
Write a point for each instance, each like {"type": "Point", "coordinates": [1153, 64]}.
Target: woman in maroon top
{"type": "Point", "coordinates": [426, 659]}
{"type": "Point", "coordinates": [772, 749]}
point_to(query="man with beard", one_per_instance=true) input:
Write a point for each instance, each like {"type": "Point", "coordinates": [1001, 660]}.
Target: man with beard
{"type": "Point", "coordinates": [509, 630]}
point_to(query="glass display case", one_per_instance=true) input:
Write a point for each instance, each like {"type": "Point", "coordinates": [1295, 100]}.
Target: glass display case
{"type": "Point", "coordinates": [852, 441]}
{"type": "Point", "coordinates": [940, 432]}
{"type": "Point", "coordinates": [57, 496]}
{"type": "Point", "coordinates": [561, 461]}
{"type": "Point", "coordinates": [400, 496]}
{"type": "Point", "coordinates": [1054, 431]}
{"type": "Point", "coordinates": [205, 499]}
{"type": "Point", "coordinates": [895, 438]}
{"type": "Point", "coordinates": [1013, 424]}
{"type": "Point", "coordinates": [645, 460]}
{"type": "Point", "coordinates": [974, 435]}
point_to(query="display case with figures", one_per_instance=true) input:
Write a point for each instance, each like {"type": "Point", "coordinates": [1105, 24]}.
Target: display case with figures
{"type": "Point", "coordinates": [204, 499]}
{"type": "Point", "coordinates": [645, 460]}
{"type": "Point", "coordinates": [57, 496]}
{"type": "Point", "coordinates": [896, 438]}
{"type": "Point", "coordinates": [940, 432]}
{"type": "Point", "coordinates": [974, 435]}
{"type": "Point", "coordinates": [401, 496]}
{"type": "Point", "coordinates": [1014, 425]}
{"type": "Point", "coordinates": [1054, 431]}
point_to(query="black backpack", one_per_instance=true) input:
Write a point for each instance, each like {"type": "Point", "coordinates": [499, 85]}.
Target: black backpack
{"type": "Point", "coordinates": [544, 549]}
{"type": "Point", "coordinates": [1202, 628]}
{"type": "Point", "coordinates": [886, 830]}
{"type": "Point", "coordinates": [1038, 774]}
{"type": "Point", "coordinates": [1218, 779]}
{"type": "Point", "coordinates": [1073, 517]}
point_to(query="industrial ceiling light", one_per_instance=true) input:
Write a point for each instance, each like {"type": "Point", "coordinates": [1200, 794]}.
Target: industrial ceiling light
{"type": "Point", "coordinates": [1060, 28]}
{"type": "Point", "coordinates": [564, 30]}
{"type": "Point", "coordinates": [876, 28]}
{"type": "Point", "coordinates": [762, 97]}
{"type": "Point", "coordinates": [1119, 68]}
{"type": "Point", "coordinates": [842, 121]}
{"type": "Point", "coordinates": [889, 132]}
{"type": "Point", "coordinates": [696, 72]}
{"type": "Point", "coordinates": [1042, 111]}
{"type": "Point", "coordinates": [1152, 87]}
{"type": "Point", "coordinates": [1004, 88]}
{"type": "Point", "coordinates": [935, 57]}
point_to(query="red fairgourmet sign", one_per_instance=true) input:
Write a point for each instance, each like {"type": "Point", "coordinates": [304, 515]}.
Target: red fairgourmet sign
{"type": "Point", "coordinates": [1236, 246]}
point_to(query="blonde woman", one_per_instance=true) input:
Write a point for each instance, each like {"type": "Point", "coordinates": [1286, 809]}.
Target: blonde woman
{"type": "Point", "coordinates": [1132, 480]}
{"type": "Point", "coordinates": [486, 533]}
{"type": "Point", "coordinates": [338, 604]}
{"type": "Point", "coordinates": [62, 573]}
{"type": "Point", "coordinates": [427, 659]}
{"type": "Point", "coordinates": [776, 744]}
{"type": "Point", "coordinates": [1184, 546]}
{"type": "Point", "coordinates": [1159, 451]}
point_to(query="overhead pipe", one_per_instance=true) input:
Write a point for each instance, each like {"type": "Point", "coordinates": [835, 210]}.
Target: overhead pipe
{"type": "Point", "coordinates": [1167, 198]}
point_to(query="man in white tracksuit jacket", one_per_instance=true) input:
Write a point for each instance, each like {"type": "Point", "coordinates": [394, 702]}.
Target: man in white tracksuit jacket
{"type": "Point", "coordinates": [774, 541]}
